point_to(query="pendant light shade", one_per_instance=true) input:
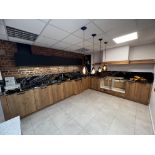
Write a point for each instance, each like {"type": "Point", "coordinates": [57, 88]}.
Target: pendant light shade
{"type": "Point", "coordinates": [105, 67]}
{"type": "Point", "coordinates": [100, 68]}
{"type": "Point", "coordinates": [93, 68]}
{"type": "Point", "coordinates": [84, 68]}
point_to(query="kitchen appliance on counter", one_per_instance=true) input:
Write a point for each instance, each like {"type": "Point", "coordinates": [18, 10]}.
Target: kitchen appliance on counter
{"type": "Point", "coordinates": [11, 84]}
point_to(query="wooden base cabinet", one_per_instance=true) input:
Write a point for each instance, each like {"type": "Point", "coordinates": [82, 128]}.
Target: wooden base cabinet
{"type": "Point", "coordinates": [60, 91]}
{"type": "Point", "coordinates": [77, 86]}
{"type": "Point", "coordinates": [95, 83]}
{"type": "Point", "coordinates": [21, 104]}
{"type": "Point", "coordinates": [68, 89]}
{"type": "Point", "coordinates": [85, 83]}
{"type": "Point", "coordinates": [57, 92]}
{"type": "Point", "coordinates": [43, 97]}
{"type": "Point", "coordinates": [138, 92]}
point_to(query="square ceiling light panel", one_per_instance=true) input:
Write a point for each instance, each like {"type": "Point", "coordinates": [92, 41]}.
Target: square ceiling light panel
{"type": "Point", "coordinates": [125, 38]}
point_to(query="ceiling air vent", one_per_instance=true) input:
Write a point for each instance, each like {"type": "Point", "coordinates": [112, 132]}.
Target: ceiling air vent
{"type": "Point", "coordinates": [12, 32]}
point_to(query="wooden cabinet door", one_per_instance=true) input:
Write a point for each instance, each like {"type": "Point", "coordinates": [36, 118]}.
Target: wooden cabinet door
{"type": "Point", "coordinates": [68, 88]}
{"type": "Point", "coordinates": [75, 87]}
{"type": "Point", "coordinates": [29, 99]}
{"type": "Point", "coordinates": [138, 92]}
{"type": "Point", "coordinates": [71, 92]}
{"type": "Point", "coordinates": [142, 92]}
{"type": "Point", "coordinates": [60, 91]}
{"type": "Point", "coordinates": [21, 104]}
{"type": "Point", "coordinates": [54, 92]}
{"type": "Point", "coordinates": [130, 91]}
{"type": "Point", "coordinates": [95, 83]}
{"type": "Point", "coordinates": [88, 82]}
{"type": "Point", "coordinates": [43, 97]}
{"type": "Point", "coordinates": [14, 107]}
{"type": "Point", "coordinates": [5, 107]}
{"type": "Point", "coordinates": [84, 83]}
{"type": "Point", "coordinates": [79, 85]}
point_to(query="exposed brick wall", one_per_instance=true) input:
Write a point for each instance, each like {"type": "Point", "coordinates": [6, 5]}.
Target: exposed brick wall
{"type": "Point", "coordinates": [49, 52]}
{"type": "Point", "coordinates": [8, 65]}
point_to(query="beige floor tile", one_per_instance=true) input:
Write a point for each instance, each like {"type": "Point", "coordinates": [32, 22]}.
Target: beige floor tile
{"type": "Point", "coordinates": [90, 112]}
{"type": "Point", "coordinates": [70, 128]}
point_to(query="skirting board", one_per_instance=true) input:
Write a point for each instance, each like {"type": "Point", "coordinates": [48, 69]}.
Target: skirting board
{"type": "Point", "coordinates": [152, 120]}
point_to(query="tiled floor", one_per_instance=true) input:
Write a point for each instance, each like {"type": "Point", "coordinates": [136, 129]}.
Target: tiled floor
{"type": "Point", "coordinates": [90, 112]}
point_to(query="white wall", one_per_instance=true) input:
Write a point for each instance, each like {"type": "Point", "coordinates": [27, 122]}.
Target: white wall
{"type": "Point", "coordinates": [152, 101]}
{"type": "Point", "coordinates": [116, 54]}
{"type": "Point", "coordinates": [142, 52]}
{"type": "Point", "coordinates": [132, 68]}
{"type": "Point", "coordinates": [134, 53]}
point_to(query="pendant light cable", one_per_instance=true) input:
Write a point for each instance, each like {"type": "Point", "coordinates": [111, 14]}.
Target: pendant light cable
{"type": "Point", "coordinates": [105, 66]}
{"type": "Point", "coordinates": [84, 70]}
{"type": "Point", "coordinates": [100, 68]}
{"type": "Point", "coordinates": [93, 68]}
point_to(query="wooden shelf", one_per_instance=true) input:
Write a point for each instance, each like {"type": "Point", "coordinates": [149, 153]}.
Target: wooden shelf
{"type": "Point", "coordinates": [114, 62]}
{"type": "Point", "coordinates": [146, 61]}
{"type": "Point", "coordinates": [123, 62]}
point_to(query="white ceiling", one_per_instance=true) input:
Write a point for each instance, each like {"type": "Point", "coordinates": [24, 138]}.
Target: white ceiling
{"type": "Point", "coordinates": [65, 34]}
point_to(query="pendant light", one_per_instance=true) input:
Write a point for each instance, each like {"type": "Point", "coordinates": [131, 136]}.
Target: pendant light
{"type": "Point", "coordinates": [93, 68]}
{"type": "Point", "coordinates": [100, 68]}
{"type": "Point", "coordinates": [84, 68]}
{"type": "Point", "coordinates": [105, 66]}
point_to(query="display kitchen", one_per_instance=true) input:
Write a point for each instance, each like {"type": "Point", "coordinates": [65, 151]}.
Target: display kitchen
{"type": "Point", "coordinates": [77, 76]}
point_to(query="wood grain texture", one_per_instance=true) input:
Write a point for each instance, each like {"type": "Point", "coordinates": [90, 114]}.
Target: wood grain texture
{"type": "Point", "coordinates": [5, 107]}
{"type": "Point", "coordinates": [43, 97]}
{"type": "Point", "coordinates": [138, 92]}
{"type": "Point", "coordinates": [146, 61]}
{"type": "Point", "coordinates": [19, 104]}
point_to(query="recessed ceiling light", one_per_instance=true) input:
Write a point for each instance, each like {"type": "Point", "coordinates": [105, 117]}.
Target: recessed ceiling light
{"type": "Point", "coordinates": [125, 38]}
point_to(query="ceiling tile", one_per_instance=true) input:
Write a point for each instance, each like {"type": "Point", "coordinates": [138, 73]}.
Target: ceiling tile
{"type": "Point", "coordinates": [54, 33]}
{"type": "Point", "coordinates": [61, 45]}
{"type": "Point", "coordinates": [122, 30]}
{"type": "Point", "coordinates": [3, 37]}
{"type": "Point", "coordinates": [145, 23]}
{"type": "Point", "coordinates": [46, 41]}
{"type": "Point", "coordinates": [29, 25]}
{"type": "Point", "coordinates": [91, 28]}
{"type": "Point", "coordinates": [110, 24]}
{"type": "Point", "coordinates": [73, 48]}
{"type": "Point", "coordinates": [69, 25]}
{"type": "Point", "coordinates": [147, 34]}
{"type": "Point", "coordinates": [20, 40]}
{"type": "Point", "coordinates": [2, 30]}
{"type": "Point", "coordinates": [44, 20]}
{"type": "Point", "coordinates": [72, 39]}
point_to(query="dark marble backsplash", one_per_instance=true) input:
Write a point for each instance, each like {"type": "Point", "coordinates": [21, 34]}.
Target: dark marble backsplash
{"type": "Point", "coordinates": [41, 80]}
{"type": "Point", "coordinates": [37, 81]}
